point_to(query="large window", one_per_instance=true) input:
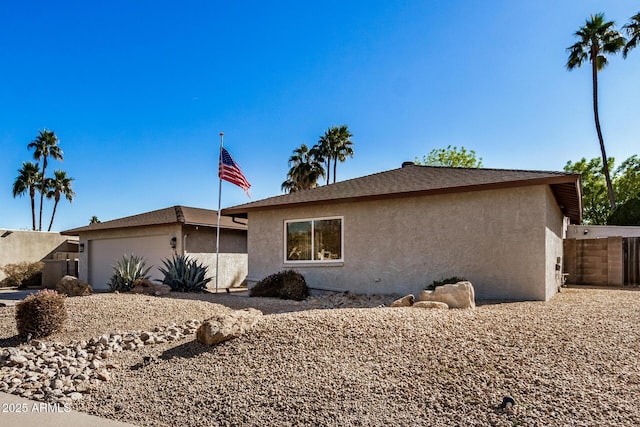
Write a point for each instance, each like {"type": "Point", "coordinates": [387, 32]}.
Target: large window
{"type": "Point", "coordinates": [317, 240]}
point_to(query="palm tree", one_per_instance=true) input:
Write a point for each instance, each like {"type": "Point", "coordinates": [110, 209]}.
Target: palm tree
{"type": "Point", "coordinates": [596, 39]}
{"type": "Point", "coordinates": [335, 146]}
{"type": "Point", "coordinates": [94, 220]}
{"type": "Point", "coordinates": [305, 170]}
{"type": "Point", "coordinates": [59, 186]}
{"type": "Point", "coordinates": [28, 179]}
{"type": "Point", "coordinates": [45, 146]}
{"type": "Point", "coordinates": [343, 147]}
{"type": "Point", "coordinates": [633, 31]}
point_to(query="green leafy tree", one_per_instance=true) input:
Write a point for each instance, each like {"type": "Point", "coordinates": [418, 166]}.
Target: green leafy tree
{"type": "Point", "coordinates": [29, 178]}
{"type": "Point", "coordinates": [94, 220]}
{"type": "Point", "coordinates": [596, 39]}
{"type": "Point", "coordinates": [633, 31]}
{"type": "Point", "coordinates": [45, 146]}
{"type": "Point", "coordinates": [626, 184]}
{"type": "Point", "coordinates": [333, 147]}
{"type": "Point", "coordinates": [595, 204]}
{"type": "Point", "coordinates": [58, 186]}
{"type": "Point", "coordinates": [305, 170]}
{"type": "Point", "coordinates": [627, 181]}
{"type": "Point", "coordinates": [451, 157]}
{"type": "Point", "coordinates": [627, 213]}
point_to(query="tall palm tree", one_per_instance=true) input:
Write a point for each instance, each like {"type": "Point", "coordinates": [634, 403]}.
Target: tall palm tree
{"type": "Point", "coordinates": [58, 186]}
{"type": "Point", "coordinates": [323, 151]}
{"type": "Point", "coordinates": [305, 170]}
{"type": "Point", "coordinates": [45, 145]}
{"type": "Point", "coordinates": [343, 147]}
{"type": "Point", "coordinates": [633, 31]}
{"type": "Point", "coordinates": [335, 146]}
{"type": "Point", "coordinates": [28, 180]}
{"type": "Point", "coordinates": [596, 39]}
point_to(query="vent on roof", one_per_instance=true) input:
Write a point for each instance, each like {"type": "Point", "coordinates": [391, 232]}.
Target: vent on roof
{"type": "Point", "coordinates": [405, 164]}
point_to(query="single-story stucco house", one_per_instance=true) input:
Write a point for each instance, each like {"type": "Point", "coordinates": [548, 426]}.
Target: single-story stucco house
{"type": "Point", "coordinates": [398, 231]}
{"type": "Point", "coordinates": [157, 236]}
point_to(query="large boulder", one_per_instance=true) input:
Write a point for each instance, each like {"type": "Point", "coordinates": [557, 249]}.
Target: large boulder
{"type": "Point", "coordinates": [460, 295]}
{"type": "Point", "coordinates": [406, 301]}
{"type": "Point", "coordinates": [431, 304]}
{"type": "Point", "coordinates": [223, 327]}
{"type": "Point", "coordinates": [73, 287]}
{"type": "Point", "coordinates": [147, 287]}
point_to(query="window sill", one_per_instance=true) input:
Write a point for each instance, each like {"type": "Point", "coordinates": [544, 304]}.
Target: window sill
{"type": "Point", "coordinates": [314, 264]}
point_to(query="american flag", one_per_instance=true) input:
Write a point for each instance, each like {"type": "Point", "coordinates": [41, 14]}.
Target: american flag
{"type": "Point", "coordinates": [230, 171]}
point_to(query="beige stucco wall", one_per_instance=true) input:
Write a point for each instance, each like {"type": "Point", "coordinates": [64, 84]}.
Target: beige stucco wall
{"type": "Point", "coordinates": [233, 269]}
{"type": "Point", "coordinates": [498, 239]}
{"type": "Point", "coordinates": [584, 232]}
{"type": "Point", "coordinates": [30, 246]}
{"type": "Point", "coordinates": [554, 232]}
{"type": "Point", "coordinates": [203, 239]}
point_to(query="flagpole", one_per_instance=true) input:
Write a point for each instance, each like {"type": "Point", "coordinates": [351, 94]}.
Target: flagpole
{"type": "Point", "coordinates": [219, 199]}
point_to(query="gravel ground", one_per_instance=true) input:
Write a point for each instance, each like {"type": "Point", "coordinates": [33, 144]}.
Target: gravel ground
{"type": "Point", "coordinates": [570, 361]}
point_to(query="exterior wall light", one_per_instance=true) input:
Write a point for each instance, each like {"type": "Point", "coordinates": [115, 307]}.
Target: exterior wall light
{"type": "Point", "coordinates": [173, 242]}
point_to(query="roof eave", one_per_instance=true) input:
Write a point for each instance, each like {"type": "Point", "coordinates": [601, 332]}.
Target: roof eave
{"type": "Point", "coordinates": [560, 179]}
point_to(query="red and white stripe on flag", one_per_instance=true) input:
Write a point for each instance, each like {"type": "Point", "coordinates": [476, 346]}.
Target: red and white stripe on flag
{"type": "Point", "coordinates": [230, 171]}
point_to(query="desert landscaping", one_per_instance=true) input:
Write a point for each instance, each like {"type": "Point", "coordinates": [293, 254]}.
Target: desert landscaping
{"type": "Point", "coordinates": [352, 360]}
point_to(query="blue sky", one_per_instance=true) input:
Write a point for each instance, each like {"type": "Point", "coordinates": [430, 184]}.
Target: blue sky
{"type": "Point", "coordinates": [138, 91]}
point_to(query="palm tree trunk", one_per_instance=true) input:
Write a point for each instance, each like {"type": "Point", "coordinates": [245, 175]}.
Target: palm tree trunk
{"type": "Point", "coordinates": [335, 164]}
{"type": "Point", "coordinates": [32, 194]}
{"type": "Point", "coordinates": [55, 205]}
{"type": "Point", "coordinates": [42, 189]}
{"type": "Point", "coordinates": [605, 164]}
{"type": "Point", "coordinates": [328, 169]}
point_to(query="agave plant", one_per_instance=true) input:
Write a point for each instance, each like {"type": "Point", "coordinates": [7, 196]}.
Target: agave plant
{"type": "Point", "coordinates": [126, 271]}
{"type": "Point", "coordinates": [184, 274]}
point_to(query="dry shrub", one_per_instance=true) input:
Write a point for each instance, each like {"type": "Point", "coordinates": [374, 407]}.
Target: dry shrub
{"type": "Point", "coordinates": [23, 274]}
{"type": "Point", "coordinates": [287, 284]}
{"type": "Point", "coordinates": [41, 314]}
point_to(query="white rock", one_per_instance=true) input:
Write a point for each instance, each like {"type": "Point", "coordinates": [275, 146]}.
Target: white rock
{"type": "Point", "coordinates": [406, 301]}
{"type": "Point", "coordinates": [224, 327]}
{"type": "Point", "coordinates": [460, 295]}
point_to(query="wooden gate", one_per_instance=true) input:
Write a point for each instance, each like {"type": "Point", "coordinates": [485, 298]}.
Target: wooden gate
{"type": "Point", "coordinates": [631, 260]}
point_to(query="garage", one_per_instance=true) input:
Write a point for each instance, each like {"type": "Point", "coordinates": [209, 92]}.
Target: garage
{"type": "Point", "coordinates": [104, 253]}
{"type": "Point", "coordinates": [157, 236]}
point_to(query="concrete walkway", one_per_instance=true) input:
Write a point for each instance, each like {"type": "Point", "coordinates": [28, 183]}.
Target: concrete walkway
{"type": "Point", "coordinates": [10, 296]}
{"type": "Point", "coordinates": [19, 412]}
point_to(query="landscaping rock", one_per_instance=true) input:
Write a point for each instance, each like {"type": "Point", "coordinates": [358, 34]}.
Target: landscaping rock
{"type": "Point", "coordinates": [55, 372]}
{"type": "Point", "coordinates": [147, 287]}
{"type": "Point", "coordinates": [431, 304]}
{"type": "Point", "coordinates": [406, 301]}
{"type": "Point", "coordinates": [223, 327]}
{"type": "Point", "coordinates": [73, 287]}
{"type": "Point", "coordinates": [460, 295]}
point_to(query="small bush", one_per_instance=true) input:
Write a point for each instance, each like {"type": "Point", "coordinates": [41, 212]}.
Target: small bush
{"type": "Point", "coordinates": [126, 271]}
{"type": "Point", "coordinates": [446, 281]}
{"type": "Point", "coordinates": [286, 284]}
{"type": "Point", "coordinates": [184, 274]}
{"type": "Point", "coordinates": [41, 314]}
{"type": "Point", "coordinates": [23, 275]}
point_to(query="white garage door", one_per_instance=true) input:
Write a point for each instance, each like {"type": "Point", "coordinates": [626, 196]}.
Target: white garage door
{"type": "Point", "coordinates": [104, 253]}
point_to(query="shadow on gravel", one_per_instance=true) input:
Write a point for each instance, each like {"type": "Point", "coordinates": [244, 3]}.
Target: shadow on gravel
{"type": "Point", "coordinates": [240, 300]}
{"type": "Point", "coordinates": [13, 341]}
{"type": "Point", "coordinates": [186, 350]}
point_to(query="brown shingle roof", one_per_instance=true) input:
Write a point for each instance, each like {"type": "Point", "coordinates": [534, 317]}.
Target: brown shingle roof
{"type": "Point", "coordinates": [414, 180]}
{"type": "Point", "coordinates": [172, 215]}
